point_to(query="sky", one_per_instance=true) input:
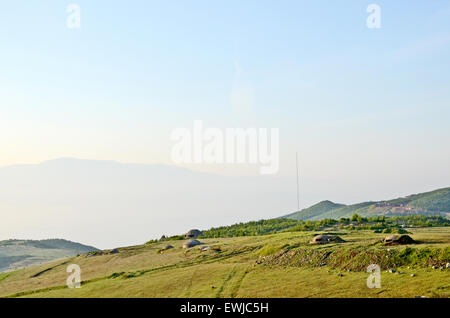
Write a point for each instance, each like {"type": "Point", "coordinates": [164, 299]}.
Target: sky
{"type": "Point", "coordinates": [367, 110]}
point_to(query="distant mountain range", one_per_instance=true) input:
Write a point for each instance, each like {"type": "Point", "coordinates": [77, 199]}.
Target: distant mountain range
{"type": "Point", "coordinates": [15, 254]}
{"type": "Point", "coordinates": [429, 203]}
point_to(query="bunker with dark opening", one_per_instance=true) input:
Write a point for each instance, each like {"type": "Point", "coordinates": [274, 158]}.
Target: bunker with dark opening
{"type": "Point", "coordinates": [193, 233]}
{"type": "Point", "coordinates": [324, 239]}
{"type": "Point", "coordinates": [398, 240]}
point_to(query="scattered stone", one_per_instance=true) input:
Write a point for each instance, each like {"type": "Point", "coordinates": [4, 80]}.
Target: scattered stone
{"type": "Point", "coordinates": [413, 275]}
{"type": "Point", "coordinates": [167, 247]}
{"type": "Point", "coordinates": [434, 267]}
{"type": "Point", "coordinates": [340, 275]}
{"type": "Point", "coordinates": [392, 270]}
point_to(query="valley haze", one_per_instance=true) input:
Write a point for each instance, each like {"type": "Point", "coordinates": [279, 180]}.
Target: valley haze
{"type": "Point", "coordinates": [109, 204]}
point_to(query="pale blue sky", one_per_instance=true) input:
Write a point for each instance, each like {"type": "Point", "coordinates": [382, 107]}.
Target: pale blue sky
{"type": "Point", "coordinates": [374, 103]}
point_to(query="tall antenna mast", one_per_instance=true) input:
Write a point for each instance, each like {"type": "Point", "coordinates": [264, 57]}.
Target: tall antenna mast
{"type": "Point", "coordinates": [298, 193]}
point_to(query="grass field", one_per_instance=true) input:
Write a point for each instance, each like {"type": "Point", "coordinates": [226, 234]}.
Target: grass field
{"type": "Point", "coordinates": [278, 265]}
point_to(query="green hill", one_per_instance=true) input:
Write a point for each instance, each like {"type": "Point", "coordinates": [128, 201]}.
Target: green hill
{"type": "Point", "coordinates": [436, 202]}
{"type": "Point", "coordinates": [16, 254]}
{"type": "Point", "coordinates": [275, 265]}
{"type": "Point", "coordinates": [315, 210]}
{"type": "Point", "coordinates": [266, 258]}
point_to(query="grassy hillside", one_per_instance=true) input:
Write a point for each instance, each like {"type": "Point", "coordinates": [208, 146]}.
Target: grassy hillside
{"type": "Point", "coordinates": [430, 203]}
{"type": "Point", "coordinates": [315, 210]}
{"type": "Point", "coordinates": [266, 258]}
{"type": "Point", "coordinates": [438, 200]}
{"type": "Point", "coordinates": [275, 265]}
{"type": "Point", "coordinates": [356, 222]}
{"type": "Point", "coordinates": [15, 254]}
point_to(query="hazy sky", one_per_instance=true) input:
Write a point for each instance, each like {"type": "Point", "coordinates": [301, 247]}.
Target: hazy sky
{"type": "Point", "coordinates": [361, 106]}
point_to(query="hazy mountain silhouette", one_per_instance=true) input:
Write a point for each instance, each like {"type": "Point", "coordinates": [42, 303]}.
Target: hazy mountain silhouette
{"type": "Point", "coordinates": [16, 254]}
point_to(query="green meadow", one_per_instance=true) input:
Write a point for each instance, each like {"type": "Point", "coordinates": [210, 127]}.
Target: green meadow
{"type": "Point", "coordinates": [284, 264]}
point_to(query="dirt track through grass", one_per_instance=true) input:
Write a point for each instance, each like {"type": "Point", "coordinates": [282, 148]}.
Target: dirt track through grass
{"type": "Point", "coordinates": [233, 267]}
{"type": "Point", "coordinates": [230, 276]}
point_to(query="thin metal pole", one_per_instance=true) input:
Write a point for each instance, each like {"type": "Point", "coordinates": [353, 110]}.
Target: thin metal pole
{"type": "Point", "coordinates": [298, 193]}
